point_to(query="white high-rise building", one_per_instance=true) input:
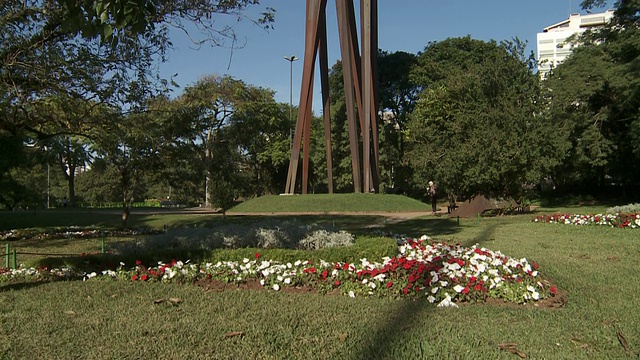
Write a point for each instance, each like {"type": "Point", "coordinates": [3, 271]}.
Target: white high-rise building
{"type": "Point", "coordinates": [553, 46]}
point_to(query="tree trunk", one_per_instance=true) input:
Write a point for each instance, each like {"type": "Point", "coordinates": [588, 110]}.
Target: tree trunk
{"type": "Point", "coordinates": [71, 180]}
{"type": "Point", "coordinates": [207, 188]}
{"type": "Point", "coordinates": [125, 212]}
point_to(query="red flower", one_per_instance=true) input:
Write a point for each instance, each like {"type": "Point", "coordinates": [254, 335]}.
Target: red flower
{"type": "Point", "coordinates": [478, 288]}
{"type": "Point", "coordinates": [134, 278]}
{"type": "Point", "coordinates": [535, 265]}
{"type": "Point", "coordinates": [465, 290]}
{"type": "Point", "coordinates": [405, 291]}
{"type": "Point", "coordinates": [389, 284]}
{"type": "Point", "coordinates": [554, 290]}
{"type": "Point", "coordinates": [144, 278]}
{"type": "Point", "coordinates": [257, 255]}
{"type": "Point", "coordinates": [337, 282]}
{"type": "Point", "coordinates": [138, 262]}
{"type": "Point", "coordinates": [310, 270]}
{"type": "Point", "coordinates": [324, 274]}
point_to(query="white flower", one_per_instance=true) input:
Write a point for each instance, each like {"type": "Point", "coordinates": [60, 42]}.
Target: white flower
{"type": "Point", "coordinates": [276, 287]}
{"type": "Point", "coordinates": [287, 280]}
{"type": "Point", "coordinates": [458, 288]}
{"type": "Point", "coordinates": [434, 290]}
{"type": "Point", "coordinates": [431, 299]}
{"type": "Point", "coordinates": [447, 302]}
{"type": "Point", "coordinates": [262, 282]}
{"type": "Point", "coordinates": [352, 294]}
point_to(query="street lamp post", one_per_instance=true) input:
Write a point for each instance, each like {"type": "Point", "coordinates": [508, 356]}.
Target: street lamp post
{"type": "Point", "coordinates": [290, 59]}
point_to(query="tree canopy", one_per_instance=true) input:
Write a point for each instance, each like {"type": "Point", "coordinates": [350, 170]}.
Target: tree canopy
{"type": "Point", "coordinates": [475, 129]}
{"type": "Point", "coordinates": [594, 98]}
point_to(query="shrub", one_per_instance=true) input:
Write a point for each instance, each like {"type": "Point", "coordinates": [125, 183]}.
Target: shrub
{"type": "Point", "coordinates": [321, 239]}
{"type": "Point", "coordinates": [624, 209]}
{"type": "Point", "coordinates": [267, 234]}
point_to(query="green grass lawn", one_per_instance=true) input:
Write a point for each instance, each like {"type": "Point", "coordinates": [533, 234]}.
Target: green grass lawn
{"type": "Point", "coordinates": [331, 203]}
{"type": "Point", "coordinates": [598, 267]}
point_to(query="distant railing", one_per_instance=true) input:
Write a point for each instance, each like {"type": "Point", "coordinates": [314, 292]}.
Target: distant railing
{"type": "Point", "coordinates": [11, 255]}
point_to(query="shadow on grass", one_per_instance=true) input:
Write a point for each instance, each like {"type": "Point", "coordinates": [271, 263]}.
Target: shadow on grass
{"type": "Point", "coordinates": [484, 237]}
{"type": "Point", "coordinates": [380, 342]}
{"type": "Point", "coordinates": [21, 285]}
{"type": "Point", "coordinates": [59, 218]}
{"type": "Point", "coordinates": [431, 226]}
{"type": "Point", "coordinates": [342, 222]}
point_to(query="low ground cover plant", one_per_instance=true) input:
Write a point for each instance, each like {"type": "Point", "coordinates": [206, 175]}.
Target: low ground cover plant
{"type": "Point", "coordinates": [624, 209]}
{"type": "Point", "coordinates": [267, 234]}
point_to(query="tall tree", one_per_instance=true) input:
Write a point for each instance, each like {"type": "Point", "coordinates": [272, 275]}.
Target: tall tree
{"type": "Point", "coordinates": [397, 100]}
{"type": "Point", "coordinates": [594, 97]}
{"type": "Point", "coordinates": [475, 129]}
{"type": "Point", "coordinates": [220, 111]}
{"type": "Point", "coordinates": [98, 52]}
{"type": "Point", "coordinates": [132, 146]}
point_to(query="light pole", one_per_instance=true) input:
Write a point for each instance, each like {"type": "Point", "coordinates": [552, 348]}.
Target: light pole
{"type": "Point", "coordinates": [290, 59]}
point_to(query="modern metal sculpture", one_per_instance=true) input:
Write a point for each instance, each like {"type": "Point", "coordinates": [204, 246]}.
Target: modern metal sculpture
{"type": "Point", "coordinates": [361, 90]}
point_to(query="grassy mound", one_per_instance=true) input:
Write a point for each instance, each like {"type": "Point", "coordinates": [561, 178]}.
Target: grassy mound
{"type": "Point", "coordinates": [331, 203]}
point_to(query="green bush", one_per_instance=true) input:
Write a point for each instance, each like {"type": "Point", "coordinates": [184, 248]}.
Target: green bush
{"type": "Point", "coordinates": [624, 209]}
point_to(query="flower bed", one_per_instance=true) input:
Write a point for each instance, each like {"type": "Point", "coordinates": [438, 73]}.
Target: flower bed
{"type": "Point", "coordinates": [440, 273]}
{"type": "Point", "coordinates": [620, 220]}
{"type": "Point", "coordinates": [72, 232]}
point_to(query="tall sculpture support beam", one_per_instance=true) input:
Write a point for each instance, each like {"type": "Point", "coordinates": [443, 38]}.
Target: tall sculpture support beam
{"type": "Point", "coordinates": [369, 31]}
{"type": "Point", "coordinates": [366, 93]}
{"type": "Point", "coordinates": [314, 8]}
{"type": "Point", "coordinates": [326, 100]}
{"type": "Point", "coordinates": [360, 83]}
{"type": "Point", "coordinates": [349, 74]}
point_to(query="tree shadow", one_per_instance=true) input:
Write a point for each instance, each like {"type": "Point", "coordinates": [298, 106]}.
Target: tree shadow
{"type": "Point", "coordinates": [21, 285]}
{"type": "Point", "coordinates": [431, 226]}
{"type": "Point", "coordinates": [379, 342]}
{"type": "Point", "coordinates": [342, 222]}
{"type": "Point", "coordinates": [55, 218]}
{"type": "Point", "coordinates": [487, 235]}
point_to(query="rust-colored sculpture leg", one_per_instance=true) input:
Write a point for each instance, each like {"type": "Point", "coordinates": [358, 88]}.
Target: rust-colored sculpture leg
{"type": "Point", "coordinates": [314, 8]}
{"type": "Point", "coordinates": [349, 87]}
{"type": "Point", "coordinates": [366, 94]}
{"type": "Point", "coordinates": [360, 84]}
{"type": "Point", "coordinates": [326, 112]}
{"type": "Point", "coordinates": [369, 26]}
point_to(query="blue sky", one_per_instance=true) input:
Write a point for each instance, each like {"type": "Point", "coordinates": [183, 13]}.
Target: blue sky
{"type": "Point", "coordinates": [404, 25]}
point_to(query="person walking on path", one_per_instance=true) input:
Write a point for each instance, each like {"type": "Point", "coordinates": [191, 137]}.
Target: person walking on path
{"type": "Point", "coordinates": [432, 192]}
